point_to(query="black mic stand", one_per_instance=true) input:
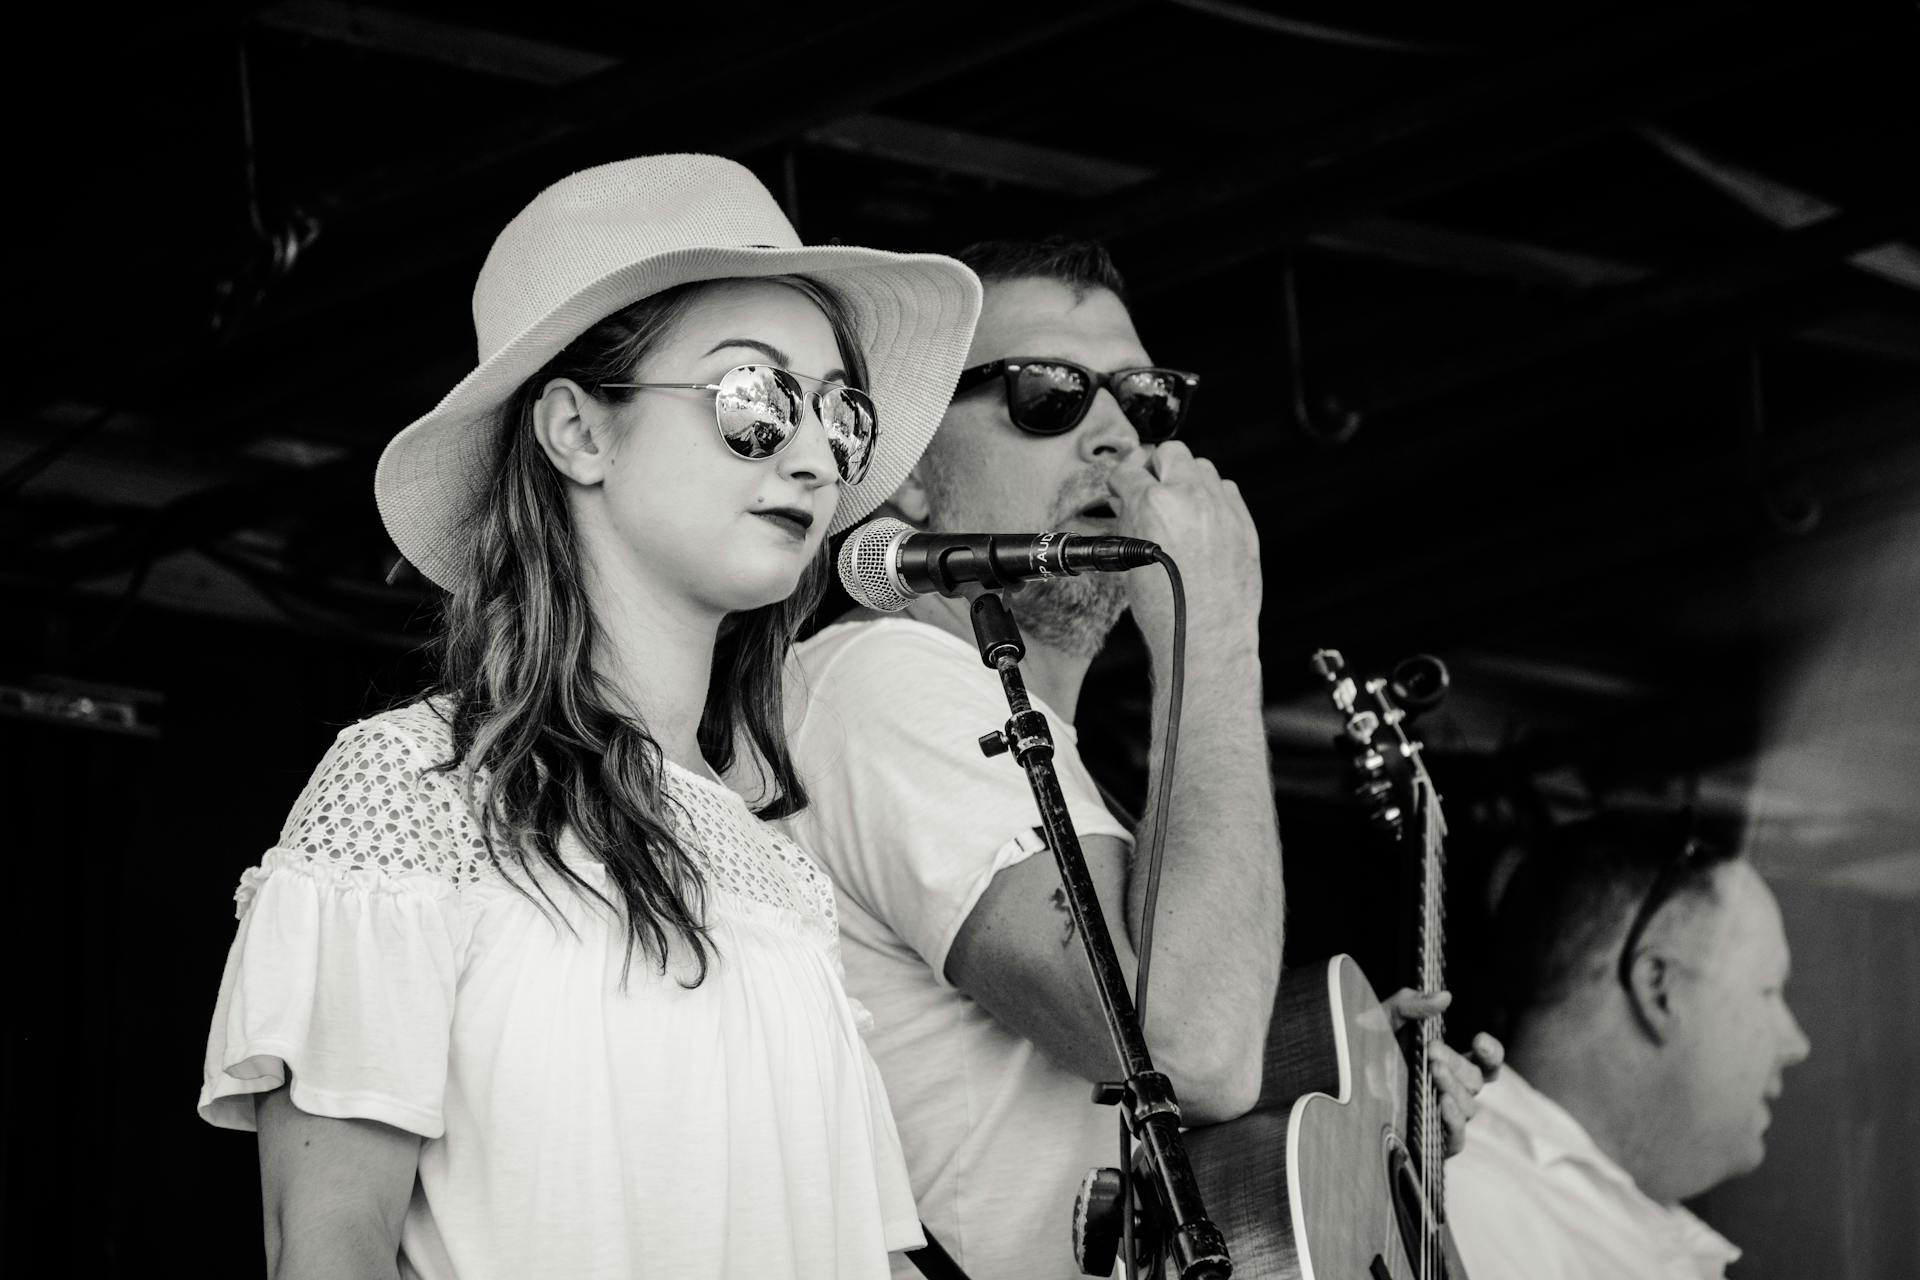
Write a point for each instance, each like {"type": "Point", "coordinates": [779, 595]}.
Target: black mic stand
{"type": "Point", "coordinates": [1146, 1099]}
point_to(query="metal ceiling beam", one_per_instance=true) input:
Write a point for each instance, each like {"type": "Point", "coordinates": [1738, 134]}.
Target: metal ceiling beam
{"type": "Point", "coordinates": [461, 189]}
{"type": "Point", "coordinates": [1072, 173]}
{"type": "Point", "coordinates": [599, 113]}
{"type": "Point", "coordinates": [1256, 200]}
{"type": "Point", "coordinates": [449, 44]}
{"type": "Point", "coordinates": [977, 155]}
{"type": "Point", "coordinates": [1781, 204]}
{"type": "Point", "coordinates": [1059, 171]}
{"type": "Point", "coordinates": [1791, 284]}
{"type": "Point", "coordinates": [1877, 326]}
{"type": "Point", "coordinates": [188, 521]}
{"type": "Point", "coordinates": [1471, 253]}
{"type": "Point", "coordinates": [1730, 290]}
{"type": "Point", "coordinates": [1874, 328]}
{"type": "Point", "coordinates": [1880, 334]}
{"type": "Point", "coordinates": [420, 218]}
{"type": "Point", "coordinates": [1391, 239]}
{"type": "Point", "coordinates": [627, 107]}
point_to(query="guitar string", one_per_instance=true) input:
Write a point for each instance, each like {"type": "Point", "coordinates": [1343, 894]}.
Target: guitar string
{"type": "Point", "coordinates": [1425, 1104]}
{"type": "Point", "coordinates": [1431, 943]}
{"type": "Point", "coordinates": [1427, 1128]}
{"type": "Point", "coordinates": [1426, 1109]}
{"type": "Point", "coordinates": [1427, 1161]}
{"type": "Point", "coordinates": [1435, 832]}
{"type": "Point", "coordinates": [1435, 1153]}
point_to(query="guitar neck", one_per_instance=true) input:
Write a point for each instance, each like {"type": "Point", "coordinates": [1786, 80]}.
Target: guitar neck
{"type": "Point", "coordinates": [1426, 1137]}
{"type": "Point", "coordinates": [1400, 798]}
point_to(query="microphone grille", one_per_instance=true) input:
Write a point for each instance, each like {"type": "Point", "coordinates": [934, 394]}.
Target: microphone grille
{"type": "Point", "coordinates": [867, 564]}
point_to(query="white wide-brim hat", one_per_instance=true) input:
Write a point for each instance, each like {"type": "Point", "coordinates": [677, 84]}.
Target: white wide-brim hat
{"type": "Point", "coordinates": [606, 237]}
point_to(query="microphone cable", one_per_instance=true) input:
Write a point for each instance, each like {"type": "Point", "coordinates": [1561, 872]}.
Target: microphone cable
{"type": "Point", "coordinates": [1156, 847]}
{"type": "Point", "coordinates": [1163, 795]}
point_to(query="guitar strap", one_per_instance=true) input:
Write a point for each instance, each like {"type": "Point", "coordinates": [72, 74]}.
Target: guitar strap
{"type": "Point", "coordinates": [934, 1261]}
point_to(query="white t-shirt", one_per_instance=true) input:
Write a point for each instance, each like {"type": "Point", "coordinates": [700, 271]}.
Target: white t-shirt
{"type": "Point", "coordinates": [572, 1129]}
{"type": "Point", "coordinates": [912, 822]}
{"type": "Point", "coordinates": [1533, 1198]}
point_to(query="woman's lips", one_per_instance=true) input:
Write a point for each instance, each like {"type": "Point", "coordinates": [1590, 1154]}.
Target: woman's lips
{"type": "Point", "coordinates": [791, 520]}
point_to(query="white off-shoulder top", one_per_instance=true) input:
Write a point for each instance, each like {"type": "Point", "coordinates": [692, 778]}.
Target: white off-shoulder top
{"type": "Point", "coordinates": [572, 1127]}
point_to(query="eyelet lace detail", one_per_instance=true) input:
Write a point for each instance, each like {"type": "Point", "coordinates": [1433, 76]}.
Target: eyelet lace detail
{"type": "Point", "coordinates": [377, 804]}
{"type": "Point", "coordinates": [746, 857]}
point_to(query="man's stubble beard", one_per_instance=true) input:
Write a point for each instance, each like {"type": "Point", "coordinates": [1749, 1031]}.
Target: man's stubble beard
{"type": "Point", "coordinates": [1073, 614]}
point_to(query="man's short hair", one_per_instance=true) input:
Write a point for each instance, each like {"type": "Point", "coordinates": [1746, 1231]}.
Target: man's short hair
{"type": "Point", "coordinates": [1563, 917]}
{"type": "Point", "coordinates": [1081, 265]}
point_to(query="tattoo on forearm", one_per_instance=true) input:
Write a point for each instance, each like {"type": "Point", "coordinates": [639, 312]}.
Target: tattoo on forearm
{"type": "Point", "coordinates": [1066, 927]}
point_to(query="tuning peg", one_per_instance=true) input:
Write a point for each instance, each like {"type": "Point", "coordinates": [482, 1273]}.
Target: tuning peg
{"type": "Point", "coordinates": [1373, 790]}
{"type": "Point", "coordinates": [1420, 683]}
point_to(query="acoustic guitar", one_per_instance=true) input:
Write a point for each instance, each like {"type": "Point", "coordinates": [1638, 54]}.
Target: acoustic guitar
{"type": "Point", "coordinates": [1337, 1172]}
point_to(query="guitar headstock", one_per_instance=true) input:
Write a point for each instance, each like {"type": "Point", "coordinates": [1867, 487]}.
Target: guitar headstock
{"type": "Point", "coordinates": [1390, 780]}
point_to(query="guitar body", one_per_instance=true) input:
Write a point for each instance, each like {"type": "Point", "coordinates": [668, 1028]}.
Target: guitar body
{"type": "Point", "coordinates": [1313, 1184]}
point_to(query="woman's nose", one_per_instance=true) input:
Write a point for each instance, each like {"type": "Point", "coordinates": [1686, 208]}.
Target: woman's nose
{"type": "Point", "coordinates": [808, 457]}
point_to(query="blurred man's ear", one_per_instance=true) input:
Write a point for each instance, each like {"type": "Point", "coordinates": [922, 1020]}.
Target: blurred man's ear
{"type": "Point", "coordinates": [1650, 992]}
{"type": "Point", "coordinates": [909, 502]}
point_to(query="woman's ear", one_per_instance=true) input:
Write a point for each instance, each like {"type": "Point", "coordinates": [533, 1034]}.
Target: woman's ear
{"type": "Point", "coordinates": [572, 428]}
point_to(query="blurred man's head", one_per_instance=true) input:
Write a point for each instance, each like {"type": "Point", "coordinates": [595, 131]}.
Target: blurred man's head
{"type": "Point", "coordinates": [1647, 972]}
{"type": "Point", "coordinates": [1055, 300]}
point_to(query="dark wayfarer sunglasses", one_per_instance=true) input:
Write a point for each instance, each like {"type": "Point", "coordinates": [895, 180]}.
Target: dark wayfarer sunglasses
{"type": "Point", "coordinates": [758, 408]}
{"type": "Point", "coordinates": [1048, 397]}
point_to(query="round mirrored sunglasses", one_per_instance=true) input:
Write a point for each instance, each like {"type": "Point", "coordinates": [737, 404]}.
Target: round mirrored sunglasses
{"type": "Point", "coordinates": [758, 409]}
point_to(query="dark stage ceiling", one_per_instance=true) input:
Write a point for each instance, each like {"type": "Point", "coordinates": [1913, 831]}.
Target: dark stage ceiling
{"type": "Point", "coordinates": [1580, 347]}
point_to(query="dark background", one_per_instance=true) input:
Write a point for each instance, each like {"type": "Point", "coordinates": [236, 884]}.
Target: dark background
{"type": "Point", "coordinates": [1580, 349]}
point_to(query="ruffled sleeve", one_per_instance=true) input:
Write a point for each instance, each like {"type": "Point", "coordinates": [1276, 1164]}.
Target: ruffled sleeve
{"type": "Point", "coordinates": [345, 963]}
{"type": "Point", "coordinates": [862, 1016]}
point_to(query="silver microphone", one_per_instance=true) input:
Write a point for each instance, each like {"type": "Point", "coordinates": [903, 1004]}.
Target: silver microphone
{"type": "Point", "coordinates": [886, 562]}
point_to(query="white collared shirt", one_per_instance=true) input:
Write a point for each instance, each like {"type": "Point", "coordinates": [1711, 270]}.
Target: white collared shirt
{"type": "Point", "coordinates": [913, 823]}
{"type": "Point", "coordinates": [1533, 1198]}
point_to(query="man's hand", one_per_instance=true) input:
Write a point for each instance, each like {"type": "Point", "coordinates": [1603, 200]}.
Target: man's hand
{"type": "Point", "coordinates": [1180, 502]}
{"type": "Point", "coordinates": [1456, 1077]}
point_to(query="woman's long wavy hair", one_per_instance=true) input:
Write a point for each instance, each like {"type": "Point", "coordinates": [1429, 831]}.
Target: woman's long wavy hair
{"type": "Point", "coordinates": [517, 646]}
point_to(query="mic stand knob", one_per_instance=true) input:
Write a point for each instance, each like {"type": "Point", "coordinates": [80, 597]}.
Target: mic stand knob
{"type": "Point", "coordinates": [1097, 1215]}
